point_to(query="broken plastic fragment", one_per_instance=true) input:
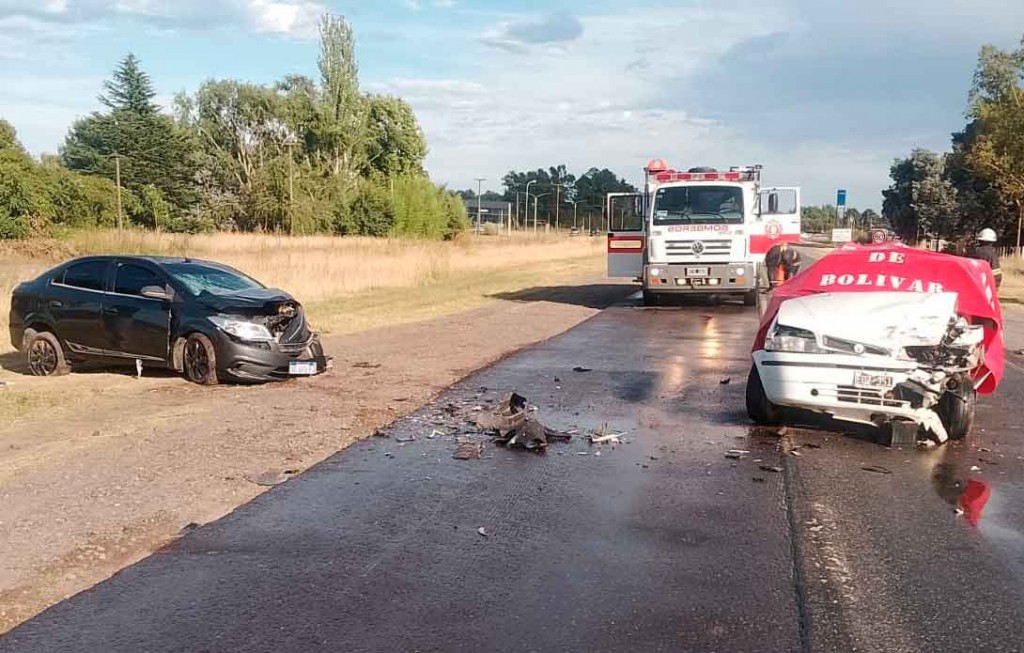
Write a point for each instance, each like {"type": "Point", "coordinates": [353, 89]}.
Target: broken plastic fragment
{"type": "Point", "coordinates": [482, 532]}
{"type": "Point", "coordinates": [876, 469]}
{"type": "Point", "coordinates": [771, 468]}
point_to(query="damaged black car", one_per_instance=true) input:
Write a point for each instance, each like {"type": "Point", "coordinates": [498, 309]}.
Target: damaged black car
{"type": "Point", "coordinates": [206, 320]}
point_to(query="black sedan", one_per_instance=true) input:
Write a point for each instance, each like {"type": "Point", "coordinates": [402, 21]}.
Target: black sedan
{"type": "Point", "coordinates": [207, 320]}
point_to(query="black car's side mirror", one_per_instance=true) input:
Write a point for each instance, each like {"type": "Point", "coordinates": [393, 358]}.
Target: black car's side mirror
{"type": "Point", "coordinates": [155, 292]}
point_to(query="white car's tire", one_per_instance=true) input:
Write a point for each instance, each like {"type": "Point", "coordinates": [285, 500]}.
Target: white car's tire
{"type": "Point", "coordinates": [956, 409]}
{"type": "Point", "coordinates": [759, 408]}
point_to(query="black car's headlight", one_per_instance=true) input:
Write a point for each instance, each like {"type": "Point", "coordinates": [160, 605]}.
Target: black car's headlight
{"type": "Point", "coordinates": [242, 329]}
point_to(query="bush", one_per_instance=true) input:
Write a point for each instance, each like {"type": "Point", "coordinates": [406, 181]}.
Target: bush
{"type": "Point", "coordinates": [370, 212]}
{"type": "Point", "coordinates": [12, 227]}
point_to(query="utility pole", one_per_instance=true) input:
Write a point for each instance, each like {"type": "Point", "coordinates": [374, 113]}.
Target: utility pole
{"type": "Point", "coordinates": [558, 197]}
{"type": "Point", "coordinates": [291, 188]}
{"type": "Point", "coordinates": [479, 182]}
{"type": "Point", "coordinates": [117, 182]}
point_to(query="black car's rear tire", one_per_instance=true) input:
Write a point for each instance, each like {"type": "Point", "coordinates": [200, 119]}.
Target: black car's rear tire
{"type": "Point", "coordinates": [759, 408]}
{"type": "Point", "coordinates": [651, 298]}
{"type": "Point", "coordinates": [199, 360]}
{"type": "Point", "coordinates": [956, 409]}
{"type": "Point", "coordinates": [750, 298]}
{"type": "Point", "coordinates": [45, 354]}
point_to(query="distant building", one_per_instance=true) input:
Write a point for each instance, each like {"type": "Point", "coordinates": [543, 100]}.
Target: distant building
{"type": "Point", "coordinates": [490, 211]}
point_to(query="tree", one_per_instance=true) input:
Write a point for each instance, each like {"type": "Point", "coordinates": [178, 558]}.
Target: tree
{"type": "Point", "coordinates": [341, 131]}
{"type": "Point", "coordinates": [394, 143]}
{"type": "Point", "coordinates": [130, 90]}
{"type": "Point", "coordinates": [148, 146]}
{"type": "Point", "coordinates": [997, 108]}
{"type": "Point", "coordinates": [921, 199]}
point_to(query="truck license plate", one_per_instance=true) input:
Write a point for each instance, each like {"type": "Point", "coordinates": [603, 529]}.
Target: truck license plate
{"type": "Point", "coordinates": [869, 381]}
{"type": "Point", "coordinates": [302, 368]}
{"type": "Point", "coordinates": [698, 272]}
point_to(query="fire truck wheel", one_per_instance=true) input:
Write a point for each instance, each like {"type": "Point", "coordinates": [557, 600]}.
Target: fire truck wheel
{"type": "Point", "coordinates": [750, 299]}
{"type": "Point", "coordinates": [956, 408]}
{"type": "Point", "coordinates": [651, 298]}
{"type": "Point", "coordinates": [759, 408]}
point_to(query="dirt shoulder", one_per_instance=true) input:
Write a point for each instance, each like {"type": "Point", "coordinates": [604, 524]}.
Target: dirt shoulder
{"type": "Point", "coordinates": [99, 469]}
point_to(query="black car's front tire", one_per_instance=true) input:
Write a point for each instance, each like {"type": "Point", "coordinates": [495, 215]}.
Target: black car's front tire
{"type": "Point", "coordinates": [199, 360]}
{"type": "Point", "coordinates": [956, 408]}
{"type": "Point", "coordinates": [45, 354]}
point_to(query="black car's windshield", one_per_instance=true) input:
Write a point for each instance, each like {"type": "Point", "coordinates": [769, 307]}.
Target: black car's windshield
{"type": "Point", "coordinates": [698, 204]}
{"type": "Point", "coordinates": [199, 278]}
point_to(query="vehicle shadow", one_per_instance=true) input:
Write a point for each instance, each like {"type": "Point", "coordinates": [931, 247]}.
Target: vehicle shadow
{"type": "Point", "coordinates": [596, 295]}
{"type": "Point", "coordinates": [17, 363]}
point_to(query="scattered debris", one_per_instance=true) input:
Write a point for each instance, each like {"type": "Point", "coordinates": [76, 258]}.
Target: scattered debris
{"type": "Point", "coordinates": [191, 526]}
{"type": "Point", "coordinates": [582, 370]}
{"type": "Point", "coordinates": [726, 381]}
{"type": "Point", "coordinates": [138, 368]}
{"type": "Point", "coordinates": [759, 479]}
{"type": "Point", "coordinates": [406, 438]}
{"type": "Point", "coordinates": [381, 433]}
{"type": "Point", "coordinates": [984, 449]}
{"type": "Point", "coordinates": [6, 384]}
{"type": "Point", "coordinates": [739, 452]}
{"type": "Point", "coordinates": [817, 529]}
{"type": "Point", "coordinates": [794, 452]}
{"type": "Point", "coordinates": [975, 468]}
{"type": "Point", "coordinates": [876, 469]}
{"type": "Point", "coordinates": [482, 532]}
{"type": "Point", "coordinates": [1020, 352]}
{"type": "Point", "coordinates": [511, 426]}
{"type": "Point", "coordinates": [466, 449]}
{"type": "Point", "coordinates": [733, 455]}
{"type": "Point", "coordinates": [270, 479]}
{"type": "Point", "coordinates": [366, 365]}
{"type": "Point", "coordinates": [582, 453]}
{"type": "Point", "coordinates": [613, 438]}
{"type": "Point", "coordinates": [434, 434]}
{"type": "Point", "coordinates": [810, 445]}
{"type": "Point", "coordinates": [771, 468]}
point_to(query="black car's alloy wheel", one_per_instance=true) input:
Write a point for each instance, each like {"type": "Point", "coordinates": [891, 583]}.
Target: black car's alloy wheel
{"type": "Point", "coordinates": [45, 355]}
{"type": "Point", "coordinates": [200, 360]}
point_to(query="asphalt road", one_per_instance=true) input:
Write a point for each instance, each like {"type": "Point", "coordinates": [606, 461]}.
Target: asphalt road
{"type": "Point", "coordinates": [658, 544]}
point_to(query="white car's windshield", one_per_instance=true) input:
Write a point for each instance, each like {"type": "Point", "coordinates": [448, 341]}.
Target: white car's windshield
{"type": "Point", "coordinates": [698, 204]}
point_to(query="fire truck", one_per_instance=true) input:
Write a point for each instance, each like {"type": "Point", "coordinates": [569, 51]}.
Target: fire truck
{"type": "Point", "coordinates": [699, 232]}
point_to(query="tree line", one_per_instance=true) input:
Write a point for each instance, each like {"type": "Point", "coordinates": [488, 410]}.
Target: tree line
{"type": "Point", "coordinates": [979, 182]}
{"type": "Point", "coordinates": [299, 156]}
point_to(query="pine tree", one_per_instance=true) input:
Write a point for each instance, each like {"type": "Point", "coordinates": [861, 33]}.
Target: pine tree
{"type": "Point", "coordinates": [130, 90]}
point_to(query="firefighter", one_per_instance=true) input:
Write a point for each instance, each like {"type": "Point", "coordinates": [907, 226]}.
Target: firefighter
{"type": "Point", "coordinates": [782, 262]}
{"type": "Point", "coordinates": [985, 250]}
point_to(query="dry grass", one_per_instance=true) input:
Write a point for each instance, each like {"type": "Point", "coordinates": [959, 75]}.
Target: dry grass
{"type": "Point", "coordinates": [330, 274]}
{"type": "Point", "coordinates": [1012, 289]}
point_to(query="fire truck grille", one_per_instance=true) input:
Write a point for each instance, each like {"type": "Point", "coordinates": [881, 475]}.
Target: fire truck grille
{"type": "Point", "coordinates": [698, 249]}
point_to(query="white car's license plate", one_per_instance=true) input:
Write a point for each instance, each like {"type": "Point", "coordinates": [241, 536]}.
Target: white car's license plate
{"type": "Point", "coordinates": [302, 368]}
{"type": "Point", "coordinates": [872, 381]}
{"type": "Point", "coordinates": [698, 272]}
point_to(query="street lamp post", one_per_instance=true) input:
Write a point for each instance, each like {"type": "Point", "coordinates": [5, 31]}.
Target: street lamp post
{"type": "Point", "coordinates": [575, 207]}
{"type": "Point", "coordinates": [535, 198]}
{"type": "Point", "coordinates": [526, 222]}
{"type": "Point", "coordinates": [479, 182]}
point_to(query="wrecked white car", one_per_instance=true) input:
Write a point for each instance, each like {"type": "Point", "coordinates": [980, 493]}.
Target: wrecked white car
{"type": "Point", "coordinates": [878, 335]}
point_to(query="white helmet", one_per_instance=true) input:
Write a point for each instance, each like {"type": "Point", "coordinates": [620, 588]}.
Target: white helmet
{"type": "Point", "coordinates": [987, 236]}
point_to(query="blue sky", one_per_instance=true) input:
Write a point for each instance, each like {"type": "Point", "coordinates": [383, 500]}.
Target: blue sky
{"type": "Point", "coordinates": [823, 93]}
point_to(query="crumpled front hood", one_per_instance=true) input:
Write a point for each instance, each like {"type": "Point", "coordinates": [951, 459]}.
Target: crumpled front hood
{"type": "Point", "coordinates": [244, 300]}
{"type": "Point", "coordinates": [892, 320]}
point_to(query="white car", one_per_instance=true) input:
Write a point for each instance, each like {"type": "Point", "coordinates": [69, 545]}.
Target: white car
{"type": "Point", "coordinates": [872, 358]}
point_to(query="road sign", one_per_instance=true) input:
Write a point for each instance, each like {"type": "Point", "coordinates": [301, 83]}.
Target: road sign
{"type": "Point", "coordinates": [841, 197]}
{"type": "Point", "coordinates": [878, 236]}
{"type": "Point", "coordinates": [842, 235]}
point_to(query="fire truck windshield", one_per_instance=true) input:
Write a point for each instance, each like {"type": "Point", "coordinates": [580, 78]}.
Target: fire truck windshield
{"type": "Point", "coordinates": [698, 204]}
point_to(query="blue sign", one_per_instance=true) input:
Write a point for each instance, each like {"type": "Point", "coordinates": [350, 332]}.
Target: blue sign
{"type": "Point", "coordinates": [841, 197]}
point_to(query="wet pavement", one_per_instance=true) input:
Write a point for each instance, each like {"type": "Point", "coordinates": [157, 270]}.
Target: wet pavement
{"type": "Point", "coordinates": [660, 543]}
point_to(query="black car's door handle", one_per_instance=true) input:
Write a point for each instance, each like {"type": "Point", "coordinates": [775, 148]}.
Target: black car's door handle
{"type": "Point", "coordinates": [111, 310]}
{"type": "Point", "coordinates": [56, 304]}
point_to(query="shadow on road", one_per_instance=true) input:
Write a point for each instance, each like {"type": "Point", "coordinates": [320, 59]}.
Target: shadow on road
{"type": "Point", "coordinates": [14, 361]}
{"type": "Point", "coordinates": [595, 295]}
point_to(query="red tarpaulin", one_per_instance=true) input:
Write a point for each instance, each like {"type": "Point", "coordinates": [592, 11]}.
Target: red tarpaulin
{"type": "Point", "coordinates": [898, 268]}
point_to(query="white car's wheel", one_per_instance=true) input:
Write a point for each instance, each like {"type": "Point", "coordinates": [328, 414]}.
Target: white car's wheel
{"type": "Point", "coordinates": [956, 409]}
{"type": "Point", "coordinates": [759, 408]}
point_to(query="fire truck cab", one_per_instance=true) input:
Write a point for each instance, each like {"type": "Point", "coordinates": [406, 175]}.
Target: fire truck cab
{"type": "Point", "coordinates": [700, 232]}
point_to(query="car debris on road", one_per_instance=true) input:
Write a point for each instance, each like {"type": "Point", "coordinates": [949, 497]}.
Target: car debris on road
{"type": "Point", "coordinates": [511, 425]}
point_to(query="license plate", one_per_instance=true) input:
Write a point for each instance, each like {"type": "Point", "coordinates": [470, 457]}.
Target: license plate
{"type": "Point", "coordinates": [698, 272]}
{"type": "Point", "coordinates": [302, 368]}
{"type": "Point", "coordinates": [869, 381]}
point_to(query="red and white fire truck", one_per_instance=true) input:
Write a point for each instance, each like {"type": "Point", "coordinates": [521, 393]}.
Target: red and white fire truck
{"type": "Point", "coordinates": [702, 231]}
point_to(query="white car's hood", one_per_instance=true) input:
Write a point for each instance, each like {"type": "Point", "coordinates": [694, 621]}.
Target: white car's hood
{"type": "Point", "coordinates": [892, 320]}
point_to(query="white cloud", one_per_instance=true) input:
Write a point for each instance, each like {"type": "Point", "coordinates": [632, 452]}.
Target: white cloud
{"type": "Point", "coordinates": [292, 18]}
{"type": "Point", "coordinates": [55, 6]}
{"type": "Point", "coordinates": [414, 5]}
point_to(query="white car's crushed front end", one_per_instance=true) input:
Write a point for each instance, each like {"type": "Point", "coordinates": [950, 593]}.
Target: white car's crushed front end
{"type": "Point", "coordinates": [869, 357]}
